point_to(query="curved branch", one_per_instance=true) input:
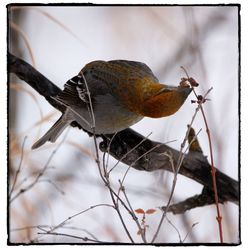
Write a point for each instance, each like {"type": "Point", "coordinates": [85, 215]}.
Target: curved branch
{"type": "Point", "coordinates": [149, 155]}
{"type": "Point", "coordinates": [35, 79]}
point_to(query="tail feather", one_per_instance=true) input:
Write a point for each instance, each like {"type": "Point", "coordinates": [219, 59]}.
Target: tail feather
{"type": "Point", "coordinates": [53, 132]}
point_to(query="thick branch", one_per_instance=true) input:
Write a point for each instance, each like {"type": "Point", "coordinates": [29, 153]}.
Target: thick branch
{"type": "Point", "coordinates": [195, 165]}
{"type": "Point", "coordinates": [149, 155]}
{"type": "Point", "coordinates": [203, 199]}
{"type": "Point", "coordinates": [35, 79]}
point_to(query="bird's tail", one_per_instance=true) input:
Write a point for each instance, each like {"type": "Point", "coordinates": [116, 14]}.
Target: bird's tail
{"type": "Point", "coordinates": [53, 132]}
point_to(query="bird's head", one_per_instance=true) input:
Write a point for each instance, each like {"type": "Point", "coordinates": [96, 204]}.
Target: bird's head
{"type": "Point", "coordinates": [165, 102]}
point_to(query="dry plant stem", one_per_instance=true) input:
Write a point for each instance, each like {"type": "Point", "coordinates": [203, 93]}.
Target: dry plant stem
{"type": "Point", "coordinates": [61, 224]}
{"type": "Point", "coordinates": [194, 224]}
{"type": "Point", "coordinates": [75, 237]}
{"type": "Point", "coordinates": [213, 172]}
{"type": "Point", "coordinates": [37, 179]}
{"type": "Point", "coordinates": [115, 202]}
{"type": "Point", "coordinates": [53, 184]}
{"type": "Point", "coordinates": [131, 212]}
{"type": "Point", "coordinates": [143, 235]}
{"type": "Point", "coordinates": [107, 183]}
{"type": "Point", "coordinates": [105, 164]}
{"type": "Point", "coordinates": [200, 101]}
{"type": "Point", "coordinates": [103, 176]}
{"type": "Point", "coordinates": [177, 169]}
{"type": "Point", "coordinates": [123, 179]}
{"type": "Point", "coordinates": [129, 167]}
{"type": "Point", "coordinates": [175, 228]}
{"type": "Point", "coordinates": [19, 168]}
{"type": "Point", "coordinates": [119, 214]}
{"type": "Point", "coordinates": [45, 228]}
{"type": "Point", "coordinates": [130, 151]}
{"type": "Point", "coordinates": [77, 214]}
{"type": "Point", "coordinates": [79, 229]}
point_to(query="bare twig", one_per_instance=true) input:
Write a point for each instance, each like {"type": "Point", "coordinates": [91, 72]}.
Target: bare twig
{"type": "Point", "coordinates": [105, 164]}
{"type": "Point", "coordinates": [40, 174]}
{"type": "Point", "coordinates": [74, 236]}
{"type": "Point", "coordinates": [129, 167]}
{"type": "Point", "coordinates": [53, 184]}
{"type": "Point", "coordinates": [130, 151]}
{"type": "Point", "coordinates": [18, 169]}
{"type": "Point", "coordinates": [175, 228]}
{"type": "Point", "coordinates": [77, 214]}
{"type": "Point", "coordinates": [177, 169]}
{"type": "Point", "coordinates": [213, 173]}
{"type": "Point", "coordinates": [62, 224]}
{"type": "Point", "coordinates": [200, 100]}
{"type": "Point", "coordinates": [122, 188]}
{"type": "Point", "coordinates": [103, 176]}
{"type": "Point", "coordinates": [194, 224]}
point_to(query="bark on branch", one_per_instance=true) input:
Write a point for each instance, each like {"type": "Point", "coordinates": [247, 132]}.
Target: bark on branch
{"type": "Point", "coordinates": [149, 155]}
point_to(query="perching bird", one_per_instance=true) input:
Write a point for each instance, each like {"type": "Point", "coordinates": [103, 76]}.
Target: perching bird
{"type": "Point", "coordinates": [122, 93]}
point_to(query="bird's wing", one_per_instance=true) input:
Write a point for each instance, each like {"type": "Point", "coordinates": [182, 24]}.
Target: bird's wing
{"type": "Point", "coordinates": [74, 93]}
{"type": "Point", "coordinates": [143, 69]}
{"type": "Point", "coordinates": [104, 78]}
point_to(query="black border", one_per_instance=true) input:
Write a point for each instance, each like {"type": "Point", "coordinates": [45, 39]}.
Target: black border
{"type": "Point", "coordinates": [239, 114]}
{"type": "Point", "coordinates": [239, 117]}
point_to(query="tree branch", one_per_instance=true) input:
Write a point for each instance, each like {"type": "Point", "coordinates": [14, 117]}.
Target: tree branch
{"type": "Point", "coordinates": [35, 79]}
{"type": "Point", "coordinates": [203, 199]}
{"type": "Point", "coordinates": [195, 165]}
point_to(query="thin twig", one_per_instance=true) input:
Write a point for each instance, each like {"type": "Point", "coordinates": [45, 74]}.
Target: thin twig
{"type": "Point", "coordinates": [141, 156]}
{"type": "Point", "coordinates": [175, 228]}
{"type": "Point", "coordinates": [133, 213]}
{"type": "Point", "coordinates": [200, 100]}
{"type": "Point", "coordinates": [194, 224]}
{"type": "Point", "coordinates": [54, 185]}
{"type": "Point", "coordinates": [104, 177]}
{"type": "Point", "coordinates": [40, 174]}
{"type": "Point", "coordinates": [130, 151]}
{"type": "Point", "coordinates": [43, 228]}
{"type": "Point", "coordinates": [77, 214]}
{"type": "Point", "coordinates": [75, 237]}
{"type": "Point", "coordinates": [18, 169]}
{"type": "Point", "coordinates": [61, 224]}
{"type": "Point", "coordinates": [179, 163]}
{"type": "Point", "coordinates": [213, 173]}
{"type": "Point", "coordinates": [108, 150]}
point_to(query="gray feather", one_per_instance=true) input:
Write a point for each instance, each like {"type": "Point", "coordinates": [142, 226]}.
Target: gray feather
{"type": "Point", "coordinates": [54, 132]}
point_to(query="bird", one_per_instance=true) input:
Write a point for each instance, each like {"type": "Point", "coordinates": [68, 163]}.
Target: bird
{"type": "Point", "coordinates": [109, 96]}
